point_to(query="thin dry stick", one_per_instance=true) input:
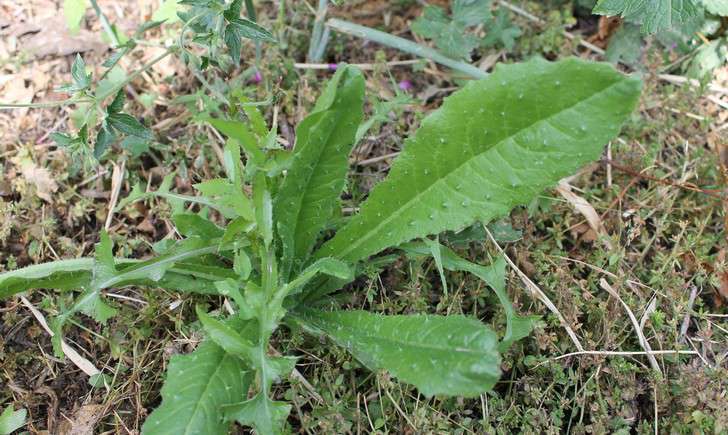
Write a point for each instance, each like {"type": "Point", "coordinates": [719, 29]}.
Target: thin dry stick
{"type": "Point", "coordinates": [82, 363]}
{"type": "Point", "coordinates": [686, 319]}
{"type": "Point", "coordinates": [625, 353]}
{"type": "Point", "coordinates": [680, 80]}
{"type": "Point", "coordinates": [536, 291]}
{"type": "Point", "coordinates": [215, 147]}
{"type": "Point", "coordinates": [609, 165]}
{"type": "Point", "coordinates": [377, 159]}
{"type": "Point", "coordinates": [364, 66]}
{"type": "Point", "coordinates": [640, 335]}
{"type": "Point", "coordinates": [117, 176]}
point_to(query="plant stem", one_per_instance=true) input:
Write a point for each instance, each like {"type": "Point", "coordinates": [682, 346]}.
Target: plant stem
{"type": "Point", "coordinates": [45, 105]}
{"type": "Point", "coordinates": [193, 67]}
{"type": "Point", "coordinates": [106, 24]}
{"type": "Point", "coordinates": [405, 45]}
{"type": "Point", "coordinates": [134, 75]}
{"type": "Point", "coordinates": [320, 35]}
{"type": "Point", "coordinates": [250, 11]}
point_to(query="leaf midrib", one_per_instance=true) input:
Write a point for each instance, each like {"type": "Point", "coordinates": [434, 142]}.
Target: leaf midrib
{"type": "Point", "coordinates": [224, 358]}
{"type": "Point", "coordinates": [415, 199]}
{"type": "Point", "coordinates": [298, 212]}
{"type": "Point", "coordinates": [424, 346]}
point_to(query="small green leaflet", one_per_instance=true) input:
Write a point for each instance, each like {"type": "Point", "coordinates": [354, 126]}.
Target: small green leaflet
{"type": "Point", "coordinates": [493, 145]}
{"type": "Point", "coordinates": [326, 266]}
{"type": "Point", "coordinates": [625, 45]}
{"type": "Point", "coordinates": [453, 355]}
{"type": "Point", "coordinates": [317, 175]}
{"type": "Point", "coordinates": [500, 31]}
{"type": "Point", "coordinates": [167, 12]}
{"type": "Point", "coordinates": [81, 80]}
{"type": "Point", "coordinates": [262, 413]}
{"type": "Point", "coordinates": [228, 339]}
{"type": "Point", "coordinates": [449, 34]}
{"type": "Point", "coordinates": [74, 11]}
{"type": "Point", "coordinates": [127, 124]}
{"type": "Point", "coordinates": [197, 386]}
{"type": "Point", "coordinates": [653, 15]}
{"type": "Point", "coordinates": [10, 420]}
{"type": "Point", "coordinates": [707, 58]}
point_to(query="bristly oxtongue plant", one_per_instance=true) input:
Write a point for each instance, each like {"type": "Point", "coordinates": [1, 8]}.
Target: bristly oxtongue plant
{"type": "Point", "coordinates": [493, 145]}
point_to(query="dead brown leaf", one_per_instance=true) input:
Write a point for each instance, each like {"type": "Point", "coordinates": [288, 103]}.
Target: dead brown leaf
{"type": "Point", "coordinates": [38, 176]}
{"type": "Point", "coordinates": [582, 206]}
{"type": "Point", "coordinates": [83, 421]}
{"type": "Point", "coordinates": [722, 275]}
{"type": "Point", "coordinates": [15, 91]}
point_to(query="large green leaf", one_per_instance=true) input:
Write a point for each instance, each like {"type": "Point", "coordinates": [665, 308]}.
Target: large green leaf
{"type": "Point", "coordinates": [453, 355]}
{"type": "Point", "coordinates": [61, 275]}
{"type": "Point", "coordinates": [654, 15]}
{"type": "Point", "coordinates": [313, 184]}
{"type": "Point", "coordinates": [198, 385]}
{"type": "Point", "coordinates": [493, 145]}
{"type": "Point", "coordinates": [170, 271]}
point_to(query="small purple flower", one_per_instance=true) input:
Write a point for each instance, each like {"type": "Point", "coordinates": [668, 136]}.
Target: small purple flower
{"type": "Point", "coordinates": [333, 66]}
{"type": "Point", "coordinates": [257, 77]}
{"type": "Point", "coordinates": [405, 85]}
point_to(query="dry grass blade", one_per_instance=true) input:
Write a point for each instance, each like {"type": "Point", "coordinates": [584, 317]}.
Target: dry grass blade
{"type": "Point", "coordinates": [640, 335]}
{"type": "Point", "coordinates": [537, 292]}
{"type": "Point", "coordinates": [82, 363]}
{"type": "Point", "coordinates": [117, 176]}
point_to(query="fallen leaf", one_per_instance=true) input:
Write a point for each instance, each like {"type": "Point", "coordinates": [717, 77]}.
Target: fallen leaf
{"type": "Point", "coordinates": [15, 91]}
{"type": "Point", "coordinates": [722, 275]}
{"type": "Point", "coordinates": [83, 421]}
{"type": "Point", "coordinates": [33, 174]}
{"type": "Point", "coordinates": [582, 206]}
